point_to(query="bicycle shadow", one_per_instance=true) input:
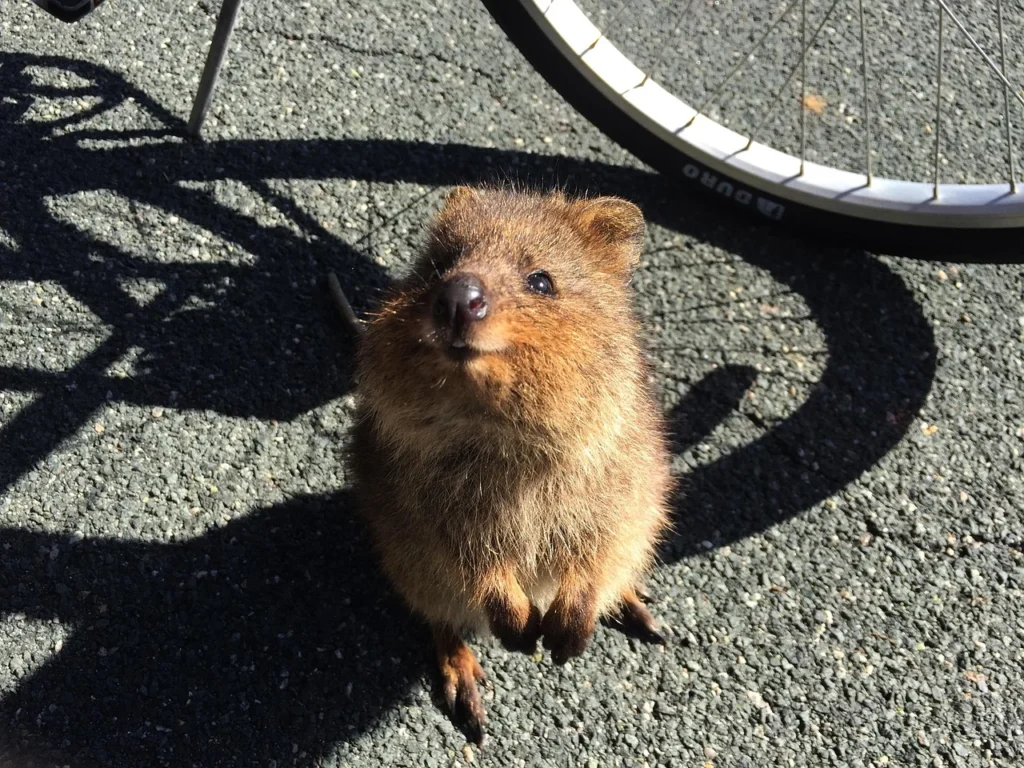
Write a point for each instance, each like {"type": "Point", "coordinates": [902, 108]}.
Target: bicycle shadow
{"type": "Point", "coordinates": [217, 336]}
{"type": "Point", "coordinates": [166, 679]}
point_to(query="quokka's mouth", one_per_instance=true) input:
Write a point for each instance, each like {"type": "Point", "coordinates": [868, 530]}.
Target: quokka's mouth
{"type": "Point", "coordinates": [461, 352]}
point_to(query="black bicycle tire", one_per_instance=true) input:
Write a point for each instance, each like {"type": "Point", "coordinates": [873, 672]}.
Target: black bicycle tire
{"type": "Point", "coordinates": [931, 243]}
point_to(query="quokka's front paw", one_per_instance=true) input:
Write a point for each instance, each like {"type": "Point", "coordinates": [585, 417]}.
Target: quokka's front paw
{"type": "Point", "coordinates": [567, 629]}
{"type": "Point", "coordinates": [521, 637]}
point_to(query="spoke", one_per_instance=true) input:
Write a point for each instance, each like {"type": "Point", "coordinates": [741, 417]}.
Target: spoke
{"type": "Point", "coordinates": [732, 73]}
{"type": "Point", "coordinates": [611, 23]}
{"type": "Point", "coordinates": [803, 85]}
{"type": "Point", "coordinates": [803, 54]}
{"type": "Point", "coordinates": [979, 49]}
{"type": "Point", "coordinates": [864, 74]}
{"type": "Point", "coordinates": [665, 48]}
{"type": "Point", "coordinates": [938, 105]}
{"type": "Point", "coordinates": [1006, 100]}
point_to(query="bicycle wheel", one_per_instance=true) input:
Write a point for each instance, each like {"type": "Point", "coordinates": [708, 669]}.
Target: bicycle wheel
{"type": "Point", "coordinates": [928, 218]}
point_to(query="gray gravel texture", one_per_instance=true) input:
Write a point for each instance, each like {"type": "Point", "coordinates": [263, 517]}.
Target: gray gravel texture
{"type": "Point", "coordinates": [182, 582]}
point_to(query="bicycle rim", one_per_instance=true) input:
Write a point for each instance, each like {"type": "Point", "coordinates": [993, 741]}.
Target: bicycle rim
{"type": "Point", "coordinates": [972, 221]}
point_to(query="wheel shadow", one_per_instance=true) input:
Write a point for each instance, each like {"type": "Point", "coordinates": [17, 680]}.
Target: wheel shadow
{"type": "Point", "coordinates": [273, 636]}
{"type": "Point", "coordinates": [881, 364]}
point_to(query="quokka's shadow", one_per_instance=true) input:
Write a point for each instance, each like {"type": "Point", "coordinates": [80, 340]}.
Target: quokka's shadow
{"type": "Point", "coordinates": [270, 638]}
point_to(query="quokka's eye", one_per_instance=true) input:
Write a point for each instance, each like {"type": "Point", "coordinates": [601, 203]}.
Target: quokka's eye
{"type": "Point", "coordinates": [540, 282]}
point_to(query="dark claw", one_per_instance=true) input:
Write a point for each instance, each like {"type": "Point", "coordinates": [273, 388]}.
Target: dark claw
{"type": "Point", "coordinates": [466, 708]}
{"type": "Point", "coordinates": [655, 637]}
{"type": "Point", "coordinates": [473, 721]}
{"type": "Point", "coordinates": [634, 619]}
{"type": "Point", "coordinates": [474, 731]}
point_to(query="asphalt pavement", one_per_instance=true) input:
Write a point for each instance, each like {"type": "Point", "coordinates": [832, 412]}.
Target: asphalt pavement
{"type": "Point", "coordinates": [182, 579]}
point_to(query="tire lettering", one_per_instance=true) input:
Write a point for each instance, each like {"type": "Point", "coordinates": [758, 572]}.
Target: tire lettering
{"type": "Point", "coordinates": [768, 208]}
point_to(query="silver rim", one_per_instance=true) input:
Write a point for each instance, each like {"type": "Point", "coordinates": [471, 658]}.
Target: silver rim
{"type": "Point", "coordinates": [740, 166]}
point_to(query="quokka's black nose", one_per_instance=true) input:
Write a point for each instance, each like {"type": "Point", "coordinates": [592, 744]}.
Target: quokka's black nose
{"type": "Point", "coordinates": [460, 302]}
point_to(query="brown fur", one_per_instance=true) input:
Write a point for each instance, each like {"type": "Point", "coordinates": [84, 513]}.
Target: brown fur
{"type": "Point", "coordinates": [523, 490]}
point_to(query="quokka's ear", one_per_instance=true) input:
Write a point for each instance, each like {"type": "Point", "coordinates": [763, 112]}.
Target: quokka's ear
{"type": "Point", "coordinates": [459, 196]}
{"type": "Point", "coordinates": [616, 229]}
{"type": "Point", "coordinates": [454, 208]}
